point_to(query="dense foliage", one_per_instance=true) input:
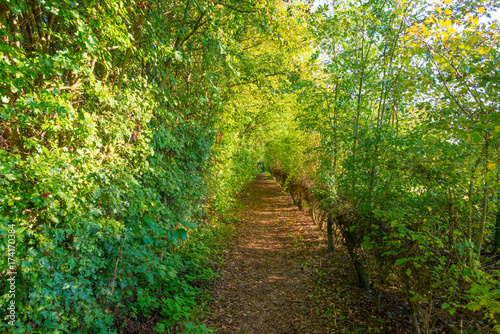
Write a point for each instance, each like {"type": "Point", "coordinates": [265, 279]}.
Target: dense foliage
{"type": "Point", "coordinates": [127, 128]}
{"type": "Point", "coordinates": [115, 141]}
{"type": "Point", "coordinates": [406, 164]}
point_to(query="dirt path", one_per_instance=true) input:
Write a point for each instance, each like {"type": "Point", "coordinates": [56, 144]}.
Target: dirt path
{"type": "Point", "coordinates": [266, 286]}
{"type": "Point", "coordinates": [278, 278]}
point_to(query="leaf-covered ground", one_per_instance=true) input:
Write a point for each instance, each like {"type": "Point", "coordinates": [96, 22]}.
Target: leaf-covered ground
{"type": "Point", "coordinates": [278, 278]}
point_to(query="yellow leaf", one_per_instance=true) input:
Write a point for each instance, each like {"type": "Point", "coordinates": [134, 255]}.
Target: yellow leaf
{"type": "Point", "coordinates": [492, 166]}
{"type": "Point", "coordinates": [447, 23]}
{"type": "Point", "coordinates": [482, 50]}
{"type": "Point", "coordinates": [480, 9]}
{"type": "Point", "coordinates": [447, 12]}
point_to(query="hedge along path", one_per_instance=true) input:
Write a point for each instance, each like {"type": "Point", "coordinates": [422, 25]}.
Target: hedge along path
{"type": "Point", "coordinates": [265, 285]}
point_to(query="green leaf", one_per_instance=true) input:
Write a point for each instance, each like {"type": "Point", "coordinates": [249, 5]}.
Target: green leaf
{"type": "Point", "coordinates": [179, 234]}
{"type": "Point", "coordinates": [189, 224]}
{"type": "Point", "coordinates": [401, 261]}
{"type": "Point", "coordinates": [160, 328]}
{"type": "Point", "coordinates": [10, 177]}
{"type": "Point", "coordinates": [476, 138]}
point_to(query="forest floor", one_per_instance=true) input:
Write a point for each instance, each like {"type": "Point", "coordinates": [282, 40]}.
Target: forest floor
{"type": "Point", "coordinates": [277, 276]}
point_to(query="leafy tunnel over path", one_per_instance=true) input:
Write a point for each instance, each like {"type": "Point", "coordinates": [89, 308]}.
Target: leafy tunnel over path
{"type": "Point", "coordinates": [127, 127]}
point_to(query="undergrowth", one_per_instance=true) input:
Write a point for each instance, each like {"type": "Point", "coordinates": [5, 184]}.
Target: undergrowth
{"type": "Point", "coordinates": [184, 301]}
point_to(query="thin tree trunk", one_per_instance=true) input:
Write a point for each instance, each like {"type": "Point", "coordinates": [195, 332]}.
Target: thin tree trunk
{"type": "Point", "coordinates": [136, 37]}
{"type": "Point", "coordinates": [360, 99]}
{"type": "Point", "coordinates": [329, 232]}
{"type": "Point", "coordinates": [484, 214]}
{"type": "Point", "coordinates": [497, 231]}
{"type": "Point", "coordinates": [484, 211]}
{"type": "Point", "coordinates": [414, 318]}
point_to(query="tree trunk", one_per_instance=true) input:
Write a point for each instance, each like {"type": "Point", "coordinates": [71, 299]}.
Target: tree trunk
{"type": "Point", "coordinates": [414, 319]}
{"type": "Point", "coordinates": [497, 231]}
{"type": "Point", "coordinates": [329, 232]}
{"type": "Point", "coordinates": [484, 214]}
{"type": "Point", "coordinates": [358, 268]}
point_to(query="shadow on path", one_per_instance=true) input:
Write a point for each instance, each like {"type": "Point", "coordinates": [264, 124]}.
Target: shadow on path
{"type": "Point", "coordinates": [265, 286]}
